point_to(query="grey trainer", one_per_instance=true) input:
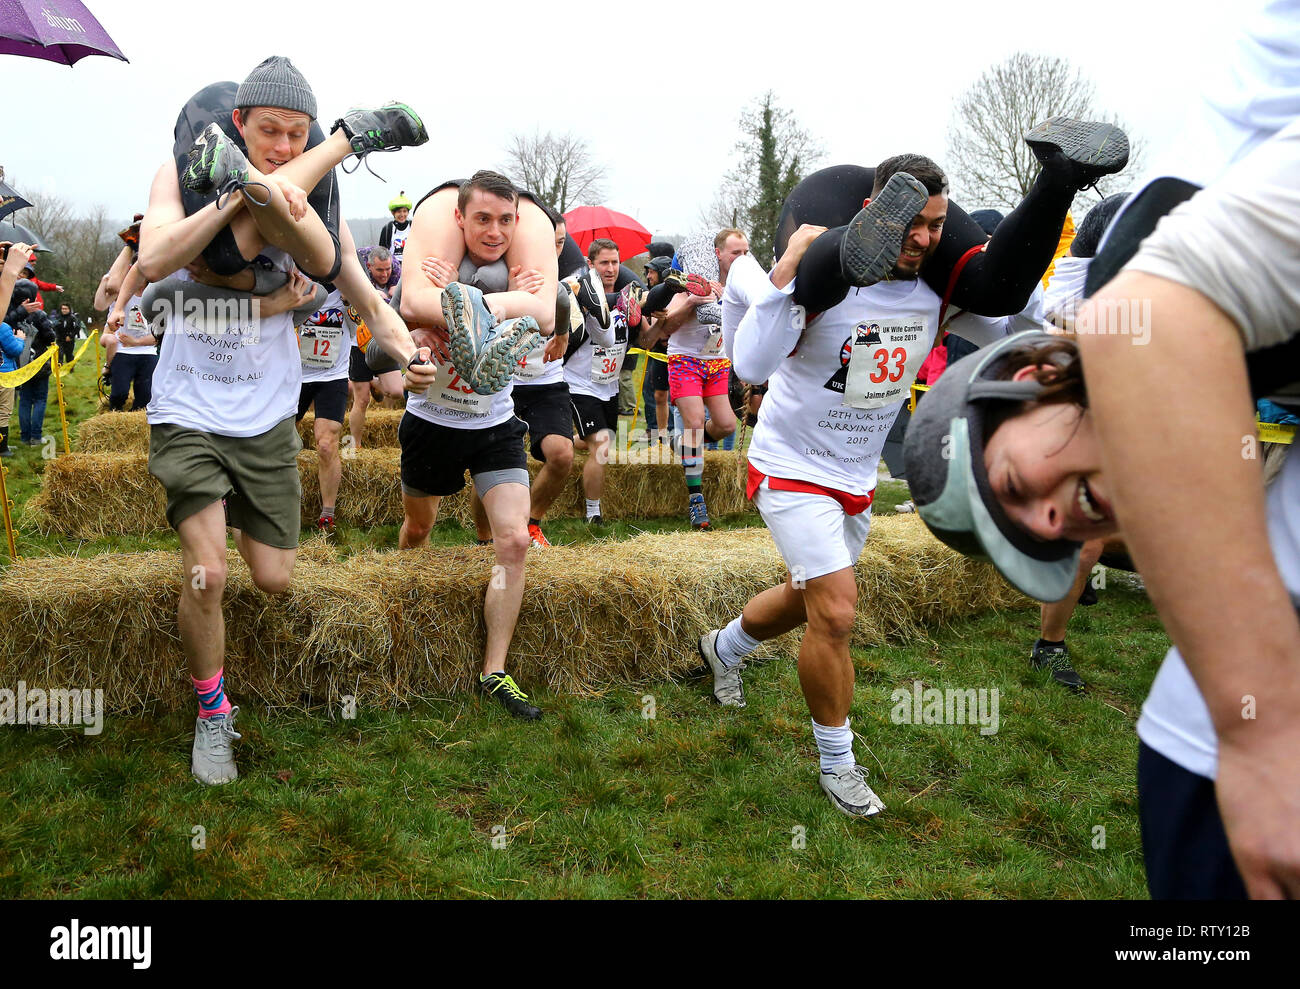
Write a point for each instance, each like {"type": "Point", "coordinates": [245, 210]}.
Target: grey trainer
{"type": "Point", "coordinates": [727, 688]}
{"type": "Point", "coordinates": [848, 790]}
{"type": "Point", "coordinates": [874, 239]}
{"type": "Point", "coordinates": [213, 758]}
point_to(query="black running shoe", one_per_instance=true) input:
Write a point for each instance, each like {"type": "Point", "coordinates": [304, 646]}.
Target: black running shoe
{"type": "Point", "coordinates": [1081, 151]}
{"type": "Point", "coordinates": [217, 165]}
{"type": "Point", "coordinates": [388, 128]}
{"type": "Point", "coordinates": [1057, 660]}
{"type": "Point", "coordinates": [871, 245]}
{"type": "Point", "coordinates": [1089, 595]}
{"type": "Point", "coordinates": [590, 292]}
{"type": "Point", "coordinates": [595, 520]}
{"type": "Point", "coordinates": [514, 700]}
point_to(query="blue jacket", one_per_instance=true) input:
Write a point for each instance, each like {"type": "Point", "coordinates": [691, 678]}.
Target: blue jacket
{"type": "Point", "coordinates": [11, 348]}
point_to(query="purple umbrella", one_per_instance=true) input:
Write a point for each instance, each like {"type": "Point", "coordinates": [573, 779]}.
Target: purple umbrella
{"type": "Point", "coordinates": [57, 30]}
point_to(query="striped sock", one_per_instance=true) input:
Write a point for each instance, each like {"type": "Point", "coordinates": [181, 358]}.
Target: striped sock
{"type": "Point", "coordinates": [693, 465]}
{"type": "Point", "coordinates": [835, 745]}
{"type": "Point", "coordinates": [213, 702]}
{"type": "Point", "coordinates": [593, 507]}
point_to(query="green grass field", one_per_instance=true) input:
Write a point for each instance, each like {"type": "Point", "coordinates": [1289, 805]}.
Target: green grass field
{"type": "Point", "coordinates": [451, 798]}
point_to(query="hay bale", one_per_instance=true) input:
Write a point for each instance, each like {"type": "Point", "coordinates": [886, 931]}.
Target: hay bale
{"type": "Point", "coordinates": [128, 432]}
{"type": "Point", "coordinates": [89, 495]}
{"type": "Point", "coordinates": [94, 495]}
{"type": "Point", "coordinates": [380, 428]}
{"type": "Point", "coordinates": [114, 432]}
{"type": "Point", "coordinates": [390, 627]}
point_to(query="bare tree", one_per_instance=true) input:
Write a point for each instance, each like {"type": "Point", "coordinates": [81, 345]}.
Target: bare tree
{"type": "Point", "coordinates": [988, 161]}
{"type": "Point", "coordinates": [83, 246]}
{"type": "Point", "coordinates": [557, 167]}
{"type": "Point", "coordinates": [774, 155]}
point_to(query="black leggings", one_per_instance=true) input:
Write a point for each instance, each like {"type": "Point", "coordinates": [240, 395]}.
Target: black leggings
{"type": "Point", "coordinates": [996, 282]}
{"type": "Point", "coordinates": [213, 104]}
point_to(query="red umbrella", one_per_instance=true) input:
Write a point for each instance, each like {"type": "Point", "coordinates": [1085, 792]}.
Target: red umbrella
{"type": "Point", "coordinates": [588, 223]}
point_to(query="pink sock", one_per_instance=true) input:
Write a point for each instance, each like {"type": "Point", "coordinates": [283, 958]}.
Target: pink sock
{"type": "Point", "coordinates": [212, 695]}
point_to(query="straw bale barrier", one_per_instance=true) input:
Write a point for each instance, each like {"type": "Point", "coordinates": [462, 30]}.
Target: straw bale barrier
{"type": "Point", "coordinates": [391, 627]}
{"type": "Point", "coordinates": [127, 432]}
{"type": "Point", "coordinates": [93, 495]}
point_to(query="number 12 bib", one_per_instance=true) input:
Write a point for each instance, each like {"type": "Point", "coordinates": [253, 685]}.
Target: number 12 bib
{"type": "Point", "coordinates": [319, 345]}
{"type": "Point", "coordinates": [886, 355]}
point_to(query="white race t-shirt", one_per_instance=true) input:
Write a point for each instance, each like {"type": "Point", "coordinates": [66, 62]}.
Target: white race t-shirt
{"type": "Point", "coordinates": [1252, 93]}
{"type": "Point", "coordinates": [533, 371]}
{"type": "Point", "coordinates": [325, 342]}
{"type": "Point", "coordinates": [831, 403]}
{"type": "Point", "coordinates": [696, 339]}
{"type": "Point", "coordinates": [399, 238]}
{"type": "Point", "coordinates": [451, 402]}
{"type": "Point", "coordinates": [227, 376]}
{"type": "Point", "coordinates": [593, 368]}
{"type": "Point", "coordinates": [135, 325]}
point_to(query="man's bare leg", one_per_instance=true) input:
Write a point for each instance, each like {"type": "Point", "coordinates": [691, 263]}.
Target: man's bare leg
{"type": "Point", "coordinates": [327, 433]}
{"type": "Point", "coordinates": [593, 471]}
{"type": "Point", "coordinates": [199, 619]}
{"type": "Point", "coordinates": [357, 417]}
{"type": "Point", "coordinates": [419, 515]}
{"type": "Point", "coordinates": [507, 509]}
{"type": "Point", "coordinates": [550, 480]}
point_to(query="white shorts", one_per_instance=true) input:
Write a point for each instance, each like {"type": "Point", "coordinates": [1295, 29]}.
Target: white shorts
{"type": "Point", "coordinates": [812, 532]}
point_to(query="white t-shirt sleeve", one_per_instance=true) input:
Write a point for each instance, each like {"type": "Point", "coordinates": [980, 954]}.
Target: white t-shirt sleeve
{"type": "Point", "coordinates": [759, 328]}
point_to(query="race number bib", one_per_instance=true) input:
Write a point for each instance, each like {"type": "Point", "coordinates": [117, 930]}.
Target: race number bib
{"type": "Point", "coordinates": [530, 366]}
{"type": "Point", "coordinates": [450, 392]}
{"type": "Point", "coordinates": [135, 325]}
{"type": "Point", "coordinates": [319, 346]}
{"type": "Point", "coordinates": [884, 360]}
{"type": "Point", "coordinates": [605, 363]}
{"type": "Point", "coordinates": [713, 346]}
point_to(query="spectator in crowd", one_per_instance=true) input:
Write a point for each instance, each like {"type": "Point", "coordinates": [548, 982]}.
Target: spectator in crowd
{"type": "Point", "coordinates": [67, 328]}
{"type": "Point", "coordinates": [393, 236]}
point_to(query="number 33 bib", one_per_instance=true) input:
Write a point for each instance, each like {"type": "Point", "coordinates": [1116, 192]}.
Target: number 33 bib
{"type": "Point", "coordinates": [886, 355]}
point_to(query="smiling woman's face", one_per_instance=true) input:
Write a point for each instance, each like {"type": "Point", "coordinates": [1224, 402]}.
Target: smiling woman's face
{"type": "Point", "coordinates": [1044, 465]}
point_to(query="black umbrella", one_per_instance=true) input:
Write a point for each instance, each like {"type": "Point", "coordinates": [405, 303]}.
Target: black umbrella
{"type": "Point", "coordinates": [16, 233]}
{"type": "Point", "coordinates": [10, 201]}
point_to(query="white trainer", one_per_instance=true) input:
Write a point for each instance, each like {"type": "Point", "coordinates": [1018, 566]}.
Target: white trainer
{"type": "Point", "coordinates": [848, 790]}
{"type": "Point", "coordinates": [213, 758]}
{"type": "Point", "coordinates": [727, 688]}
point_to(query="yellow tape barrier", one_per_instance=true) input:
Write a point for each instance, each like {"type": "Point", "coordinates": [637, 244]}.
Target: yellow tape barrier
{"type": "Point", "coordinates": [65, 368]}
{"type": "Point", "coordinates": [12, 379]}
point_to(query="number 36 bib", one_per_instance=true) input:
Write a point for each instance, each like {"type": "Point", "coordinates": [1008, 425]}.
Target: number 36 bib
{"type": "Point", "coordinates": [886, 355]}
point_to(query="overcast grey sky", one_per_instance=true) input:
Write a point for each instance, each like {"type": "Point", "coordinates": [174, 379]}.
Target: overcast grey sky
{"type": "Point", "coordinates": [656, 96]}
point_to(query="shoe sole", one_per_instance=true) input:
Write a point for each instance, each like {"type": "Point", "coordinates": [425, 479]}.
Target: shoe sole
{"type": "Point", "coordinates": [1086, 142]}
{"type": "Point", "coordinates": [709, 671]}
{"type": "Point", "coordinates": [874, 239]}
{"type": "Point", "coordinates": [485, 370]}
{"type": "Point", "coordinates": [198, 175]}
{"type": "Point", "coordinates": [421, 134]}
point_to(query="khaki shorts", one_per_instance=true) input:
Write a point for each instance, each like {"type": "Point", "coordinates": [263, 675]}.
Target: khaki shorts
{"type": "Point", "coordinates": [257, 475]}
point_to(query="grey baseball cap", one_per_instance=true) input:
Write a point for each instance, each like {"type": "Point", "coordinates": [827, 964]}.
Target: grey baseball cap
{"type": "Point", "coordinates": [277, 82]}
{"type": "Point", "coordinates": [944, 452]}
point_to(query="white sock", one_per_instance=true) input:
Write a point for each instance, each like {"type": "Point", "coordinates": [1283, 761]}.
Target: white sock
{"type": "Point", "coordinates": [593, 508]}
{"type": "Point", "coordinates": [734, 644]}
{"type": "Point", "coordinates": [835, 745]}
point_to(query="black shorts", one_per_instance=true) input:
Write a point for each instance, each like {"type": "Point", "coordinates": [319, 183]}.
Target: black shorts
{"type": "Point", "coordinates": [545, 409]}
{"type": "Point", "coordinates": [358, 369]}
{"type": "Point", "coordinates": [658, 374]}
{"type": "Point", "coordinates": [331, 398]}
{"type": "Point", "coordinates": [591, 415]}
{"type": "Point", "coordinates": [1184, 846]}
{"type": "Point", "coordinates": [435, 457]}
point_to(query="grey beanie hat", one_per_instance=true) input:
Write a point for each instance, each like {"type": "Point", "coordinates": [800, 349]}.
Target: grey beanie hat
{"type": "Point", "coordinates": [276, 82]}
{"type": "Point", "coordinates": [944, 452]}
